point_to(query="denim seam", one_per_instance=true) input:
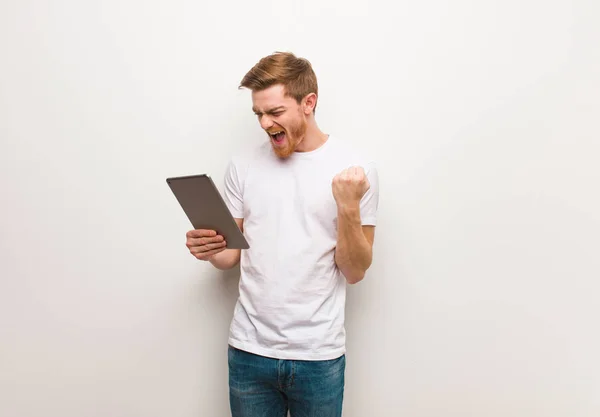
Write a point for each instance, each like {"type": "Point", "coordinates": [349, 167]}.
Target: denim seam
{"type": "Point", "coordinates": [279, 366]}
{"type": "Point", "coordinates": [293, 374]}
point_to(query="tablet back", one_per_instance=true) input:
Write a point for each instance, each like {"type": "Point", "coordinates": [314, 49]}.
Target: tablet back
{"type": "Point", "coordinates": [206, 209]}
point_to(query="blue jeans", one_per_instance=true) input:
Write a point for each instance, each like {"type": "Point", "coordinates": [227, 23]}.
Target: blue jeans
{"type": "Point", "coordinates": [266, 387]}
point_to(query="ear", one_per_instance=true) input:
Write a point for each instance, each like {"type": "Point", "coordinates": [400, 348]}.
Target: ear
{"type": "Point", "coordinates": [310, 102]}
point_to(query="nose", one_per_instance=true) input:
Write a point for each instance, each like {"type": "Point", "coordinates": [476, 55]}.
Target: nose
{"type": "Point", "coordinates": [266, 122]}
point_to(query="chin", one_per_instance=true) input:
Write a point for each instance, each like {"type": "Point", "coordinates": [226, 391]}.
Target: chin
{"type": "Point", "coordinates": [283, 153]}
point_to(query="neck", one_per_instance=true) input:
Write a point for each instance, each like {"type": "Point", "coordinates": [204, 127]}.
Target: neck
{"type": "Point", "coordinates": [313, 139]}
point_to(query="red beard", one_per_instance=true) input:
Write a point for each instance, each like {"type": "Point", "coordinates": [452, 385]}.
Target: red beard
{"type": "Point", "coordinates": [291, 140]}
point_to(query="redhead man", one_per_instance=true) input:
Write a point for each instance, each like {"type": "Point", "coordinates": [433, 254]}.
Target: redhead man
{"type": "Point", "coordinates": [307, 204]}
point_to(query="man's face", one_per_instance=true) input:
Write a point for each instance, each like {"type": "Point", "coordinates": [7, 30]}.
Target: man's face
{"type": "Point", "coordinates": [281, 117]}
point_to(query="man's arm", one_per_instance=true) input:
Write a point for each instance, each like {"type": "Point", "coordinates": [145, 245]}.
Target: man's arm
{"type": "Point", "coordinates": [354, 250]}
{"type": "Point", "coordinates": [206, 245]}
{"type": "Point", "coordinates": [228, 258]}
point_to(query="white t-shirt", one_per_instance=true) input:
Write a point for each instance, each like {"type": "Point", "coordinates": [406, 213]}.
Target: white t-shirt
{"type": "Point", "coordinates": [292, 295]}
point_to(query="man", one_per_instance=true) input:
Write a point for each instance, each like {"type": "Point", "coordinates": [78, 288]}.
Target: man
{"type": "Point", "coordinates": [307, 204]}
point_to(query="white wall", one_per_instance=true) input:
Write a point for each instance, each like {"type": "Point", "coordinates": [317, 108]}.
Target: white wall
{"type": "Point", "coordinates": [484, 118]}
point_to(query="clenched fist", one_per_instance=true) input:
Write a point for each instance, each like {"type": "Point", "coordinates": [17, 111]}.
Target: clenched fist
{"type": "Point", "coordinates": [349, 186]}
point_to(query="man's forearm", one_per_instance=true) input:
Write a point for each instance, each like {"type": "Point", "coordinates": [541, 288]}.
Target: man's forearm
{"type": "Point", "coordinates": [226, 259]}
{"type": "Point", "coordinates": [353, 254]}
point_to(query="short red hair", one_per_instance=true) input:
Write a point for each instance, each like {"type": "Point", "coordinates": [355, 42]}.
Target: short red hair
{"type": "Point", "coordinates": [295, 74]}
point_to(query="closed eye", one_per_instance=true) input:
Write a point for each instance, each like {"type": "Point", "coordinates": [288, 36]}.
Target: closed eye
{"type": "Point", "coordinates": [277, 111]}
{"type": "Point", "coordinates": [276, 114]}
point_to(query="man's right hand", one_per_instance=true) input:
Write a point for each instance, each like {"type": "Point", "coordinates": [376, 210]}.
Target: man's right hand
{"type": "Point", "coordinates": [204, 244]}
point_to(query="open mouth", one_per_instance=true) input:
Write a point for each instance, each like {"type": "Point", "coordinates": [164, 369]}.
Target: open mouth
{"type": "Point", "coordinates": [278, 137]}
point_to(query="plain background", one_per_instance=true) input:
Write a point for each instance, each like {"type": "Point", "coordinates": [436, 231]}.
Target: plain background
{"type": "Point", "coordinates": [483, 117]}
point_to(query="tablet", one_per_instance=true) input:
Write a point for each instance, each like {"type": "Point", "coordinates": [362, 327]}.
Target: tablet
{"type": "Point", "coordinates": [205, 208]}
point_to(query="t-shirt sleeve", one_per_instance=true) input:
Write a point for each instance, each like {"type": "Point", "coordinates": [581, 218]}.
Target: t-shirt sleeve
{"type": "Point", "coordinates": [233, 191]}
{"type": "Point", "coordinates": [370, 201]}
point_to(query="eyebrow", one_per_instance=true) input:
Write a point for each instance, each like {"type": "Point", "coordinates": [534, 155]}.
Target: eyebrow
{"type": "Point", "coordinates": [273, 110]}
